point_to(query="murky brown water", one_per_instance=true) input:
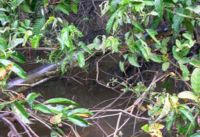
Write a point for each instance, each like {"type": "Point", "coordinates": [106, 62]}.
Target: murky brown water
{"type": "Point", "coordinates": [88, 95]}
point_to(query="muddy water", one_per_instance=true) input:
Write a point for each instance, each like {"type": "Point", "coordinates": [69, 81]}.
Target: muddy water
{"type": "Point", "coordinates": [88, 95]}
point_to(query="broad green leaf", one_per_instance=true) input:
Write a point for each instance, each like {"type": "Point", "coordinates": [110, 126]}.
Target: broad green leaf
{"type": "Point", "coordinates": [195, 80]}
{"type": "Point", "coordinates": [31, 98]}
{"type": "Point", "coordinates": [185, 72]}
{"type": "Point", "coordinates": [156, 58]}
{"type": "Point", "coordinates": [81, 59]}
{"type": "Point", "coordinates": [188, 115]}
{"type": "Point", "coordinates": [165, 66]}
{"type": "Point", "coordinates": [63, 8]}
{"type": "Point", "coordinates": [195, 62]}
{"type": "Point", "coordinates": [188, 95]}
{"type": "Point", "coordinates": [133, 60]}
{"type": "Point", "coordinates": [15, 68]}
{"type": "Point", "coordinates": [35, 41]}
{"type": "Point", "coordinates": [4, 19]}
{"type": "Point", "coordinates": [159, 7]}
{"type": "Point", "coordinates": [17, 56]}
{"type": "Point", "coordinates": [61, 101]}
{"type": "Point", "coordinates": [3, 44]}
{"type": "Point", "coordinates": [42, 108]}
{"type": "Point", "coordinates": [78, 121]}
{"type": "Point", "coordinates": [79, 111]}
{"type": "Point", "coordinates": [177, 20]}
{"type": "Point", "coordinates": [19, 109]}
{"type": "Point", "coordinates": [38, 25]}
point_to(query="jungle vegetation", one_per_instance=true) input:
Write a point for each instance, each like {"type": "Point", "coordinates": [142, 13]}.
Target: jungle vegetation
{"type": "Point", "coordinates": [160, 38]}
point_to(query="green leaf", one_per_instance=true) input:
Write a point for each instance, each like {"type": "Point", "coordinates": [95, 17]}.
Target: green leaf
{"type": "Point", "coordinates": [15, 68]}
{"type": "Point", "coordinates": [195, 80]}
{"type": "Point", "coordinates": [79, 111]}
{"type": "Point", "coordinates": [156, 58]}
{"type": "Point", "coordinates": [159, 7]}
{"type": "Point", "coordinates": [63, 8]}
{"type": "Point", "coordinates": [42, 108]}
{"type": "Point", "coordinates": [31, 98]}
{"type": "Point", "coordinates": [165, 66]}
{"type": "Point", "coordinates": [185, 72]}
{"type": "Point", "coordinates": [61, 101]}
{"type": "Point", "coordinates": [132, 59]}
{"type": "Point", "coordinates": [38, 25]}
{"type": "Point", "coordinates": [19, 109]}
{"type": "Point", "coordinates": [152, 33]}
{"type": "Point", "coordinates": [188, 115]}
{"type": "Point", "coordinates": [26, 37]}
{"type": "Point", "coordinates": [121, 66]}
{"type": "Point", "coordinates": [81, 59]}
{"type": "Point", "coordinates": [145, 128]}
{"type": "Point", "coordinates": [78, 121]}
{"type": "Point", "coordinates": [195, 62]}
{"type": "Point", "coordinates": [195, 134]}
{"type": "Point", "coordinates": [171, 117]}
{"type": "Point", "coordinates": [177, 20]}
{"type": "Point", "coordinates": [15, 42]}
{"type": "Point", "coordinates": [3, 44]}
{"type": "Point", "coordinates": [188, 95]}
{"type": "Point", "coordinates": [17, 56]}
{"type": "Point", "coordinates": [15, 3]}
{"type": "Point", "coordinates": [35, 41]}
{"type": "Point", "coordinates": [111, 22]}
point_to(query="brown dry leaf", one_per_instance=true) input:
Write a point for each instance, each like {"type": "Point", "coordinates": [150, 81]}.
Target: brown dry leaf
{"type": "Point", "coordinates": [2, 73]}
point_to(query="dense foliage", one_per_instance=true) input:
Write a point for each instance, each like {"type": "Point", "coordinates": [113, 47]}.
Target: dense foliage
{"type": "Point", "coordinates": [162, 32]}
